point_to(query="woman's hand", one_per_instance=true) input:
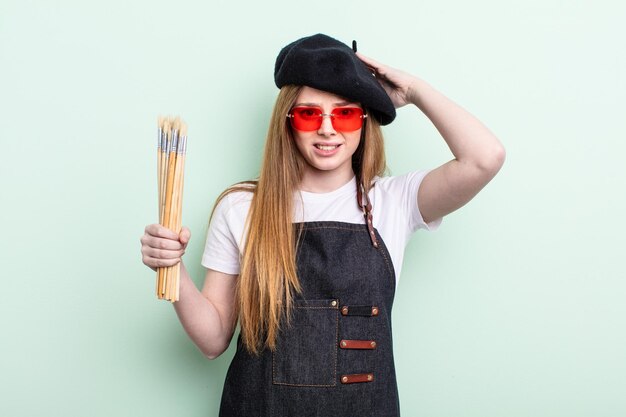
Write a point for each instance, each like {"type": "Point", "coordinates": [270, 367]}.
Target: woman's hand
{"type": "Point", "coordinates": [162, 247]}
{"type": "Point", "coordinates": [399, 85]}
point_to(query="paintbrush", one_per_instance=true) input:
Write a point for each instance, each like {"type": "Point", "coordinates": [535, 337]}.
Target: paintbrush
{"type": "Point", "coordinates": [172, 138]}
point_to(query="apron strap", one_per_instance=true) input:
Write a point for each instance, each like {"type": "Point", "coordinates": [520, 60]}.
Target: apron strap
{"type": "Point", "coordinates": [366, 207]}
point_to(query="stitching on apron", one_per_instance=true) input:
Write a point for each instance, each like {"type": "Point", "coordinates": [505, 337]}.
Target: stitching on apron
{"type": "Point", "coordinates": [390, 269]}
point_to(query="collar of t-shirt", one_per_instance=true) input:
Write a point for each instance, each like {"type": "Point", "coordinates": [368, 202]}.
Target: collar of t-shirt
{"type": "Point", "coordinates": [337, 205]}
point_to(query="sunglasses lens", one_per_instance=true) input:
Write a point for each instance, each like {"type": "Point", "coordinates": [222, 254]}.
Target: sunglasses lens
{"type": "Point", "coordinates": [306, 118]}
{"type": "Point", "coordinates": [344, 119]}
{"type": "Point", "coordinates": [347, 119]}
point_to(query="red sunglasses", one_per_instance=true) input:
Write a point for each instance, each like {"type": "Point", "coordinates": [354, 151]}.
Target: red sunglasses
{"type": "Point", "coordinates": [344, 119]}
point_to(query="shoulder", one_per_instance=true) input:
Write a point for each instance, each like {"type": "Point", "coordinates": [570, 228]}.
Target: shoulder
{"type": "Point", "coordinates": [233, 204]}
{"type": "Point", "coordinates": [235, 195]}
{"type": "Point", "coordinates": [400, 183]}
{"type": "Point", "coordinates": [227, 229]}
{"type": "Point", "coordinates": [399, 194]}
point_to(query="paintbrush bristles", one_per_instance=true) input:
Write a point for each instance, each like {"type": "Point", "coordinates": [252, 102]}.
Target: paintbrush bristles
{"type": "Point", "coordinates": [170, 168]}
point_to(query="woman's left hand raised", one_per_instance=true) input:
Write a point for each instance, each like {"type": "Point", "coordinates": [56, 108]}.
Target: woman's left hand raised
{"type": "Point", "coordinates": [398, 84]}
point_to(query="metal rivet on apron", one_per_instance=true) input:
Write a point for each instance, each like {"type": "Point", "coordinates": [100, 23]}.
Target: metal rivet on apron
{"type": "Point", "coordinates": [374, 311]}
{"type": "Point", "coordinates": [373, 344]}
{"type": "Point", "coordinates": [370, 377]}
{"type": "Point", "coordinates": [344, 344]}
{"type": "Point", "coordinates": [333, 303]}
{"type": "Point", "coordinates": [344, 310]}
{"type": "Point", "coordinates": [344, 379]}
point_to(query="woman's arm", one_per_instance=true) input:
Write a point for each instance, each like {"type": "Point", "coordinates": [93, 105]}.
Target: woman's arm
{"type": "Point", "coordinates": [208, 316]}
{"type": "Point", "coordinates": [478, 154]}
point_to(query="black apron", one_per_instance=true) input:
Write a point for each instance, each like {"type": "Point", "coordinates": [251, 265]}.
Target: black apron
{"type": "Point", "coordinates": [336, 357]}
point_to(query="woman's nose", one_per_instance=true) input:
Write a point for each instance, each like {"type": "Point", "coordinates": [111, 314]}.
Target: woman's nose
{"type": "Point", "coordinates": [326, 127]}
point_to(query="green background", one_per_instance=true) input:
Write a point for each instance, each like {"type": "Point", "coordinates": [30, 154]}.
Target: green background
{"type": "Point", "coordinates": [515, 307]}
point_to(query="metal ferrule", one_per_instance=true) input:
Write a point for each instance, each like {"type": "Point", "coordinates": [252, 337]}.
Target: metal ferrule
{"type": "Point", "coordinates": [160, 139]}
{"type": "Point", "coordinates": [181, 145]}
{"type": "Point", "coordinates": [166, 139]}
{"type": "Point", "coordinates": [163, 140]}
{"type": "Point", "coordinates": [182, 148]}
{"type": "Point", "coordinates": [174, 140]}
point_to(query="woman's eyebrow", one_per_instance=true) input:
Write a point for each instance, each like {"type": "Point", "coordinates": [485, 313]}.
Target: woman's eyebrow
{"type": "Point", "coordinates": [338, 104]}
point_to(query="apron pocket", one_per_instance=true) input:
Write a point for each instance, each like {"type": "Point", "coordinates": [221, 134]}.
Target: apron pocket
{"type": "Point", "coordinates": [306, 350]}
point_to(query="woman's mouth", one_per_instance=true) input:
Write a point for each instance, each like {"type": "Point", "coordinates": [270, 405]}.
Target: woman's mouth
{"type": "Point", "coordinates": [327, 147]}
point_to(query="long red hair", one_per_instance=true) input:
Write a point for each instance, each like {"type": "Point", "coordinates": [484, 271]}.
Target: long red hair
{"type": "Point", "coordinates": [268, 279]}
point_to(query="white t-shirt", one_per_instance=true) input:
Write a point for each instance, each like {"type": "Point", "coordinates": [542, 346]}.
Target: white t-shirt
{"type": "Point", "coordinates": [394, 208]}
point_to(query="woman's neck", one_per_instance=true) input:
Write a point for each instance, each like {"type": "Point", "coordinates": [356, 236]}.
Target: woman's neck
{"type": "Point", "coordinates": [317, 181]}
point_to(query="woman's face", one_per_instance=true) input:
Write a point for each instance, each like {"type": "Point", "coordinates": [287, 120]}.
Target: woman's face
{"type": "Point", "coordinates": [327, 151]}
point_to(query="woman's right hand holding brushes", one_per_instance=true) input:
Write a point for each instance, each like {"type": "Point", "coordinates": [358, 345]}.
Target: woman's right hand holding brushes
{"type": "Point", "coordinates": [161, 247]}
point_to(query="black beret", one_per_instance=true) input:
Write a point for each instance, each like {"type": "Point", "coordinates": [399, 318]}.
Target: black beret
{"type": "Point", "coordinates": [324, 63]}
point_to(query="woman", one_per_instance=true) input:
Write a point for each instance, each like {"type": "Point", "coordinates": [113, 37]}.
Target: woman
{"type": "Point", "coordinates": [306, 257]}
